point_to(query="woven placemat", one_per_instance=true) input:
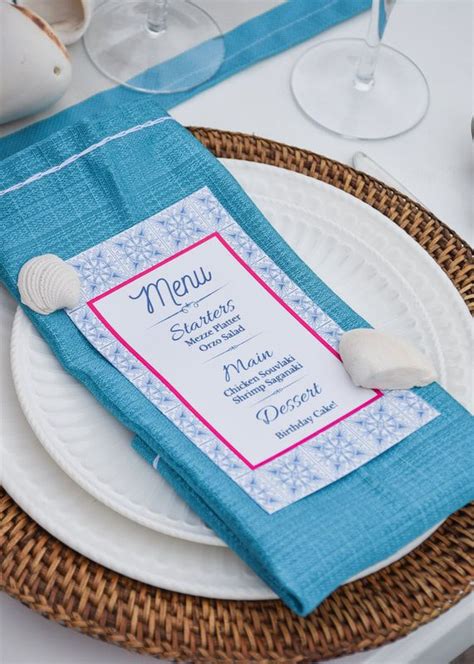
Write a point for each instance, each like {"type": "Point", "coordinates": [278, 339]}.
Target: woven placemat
{"type": "Point", "coordinates": [54, 580]}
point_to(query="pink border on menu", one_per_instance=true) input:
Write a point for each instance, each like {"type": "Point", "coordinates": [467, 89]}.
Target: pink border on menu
{"type": "Point", "coordinates": [217, 236]}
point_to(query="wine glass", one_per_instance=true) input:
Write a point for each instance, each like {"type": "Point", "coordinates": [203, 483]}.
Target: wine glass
{"type": "Point", "coordinates": [361, 88]}
{"type": "Point", "coordinates": [156, 46]}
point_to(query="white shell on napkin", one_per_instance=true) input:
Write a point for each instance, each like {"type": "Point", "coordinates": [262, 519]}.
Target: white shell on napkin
{"type": "Point", "coordinates": [378, 360]}
{"type": "Point", "coordinates": [35, 66]}
{"type": "Point", "coordinates": [46, 284]}
{"type": "Point", "coordinates": [68, 18]}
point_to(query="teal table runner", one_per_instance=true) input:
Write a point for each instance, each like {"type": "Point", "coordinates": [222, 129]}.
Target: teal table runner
{"type": "Point", "coordinates": [262, 37]}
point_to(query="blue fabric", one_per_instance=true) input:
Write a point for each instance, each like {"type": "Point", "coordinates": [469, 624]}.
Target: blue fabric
{"type": "Point", "coordinates": [309, 548]}
{"type": "Point", "coordinates": [268, 34]}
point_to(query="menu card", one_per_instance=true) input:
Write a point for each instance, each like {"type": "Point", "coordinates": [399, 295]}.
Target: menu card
{"type": "Point", "coordinates": [225, 345]}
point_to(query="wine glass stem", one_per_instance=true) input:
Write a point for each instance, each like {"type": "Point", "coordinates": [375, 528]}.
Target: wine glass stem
{"type": "Point", "coordinates": [157, 16]}
{"type": "Point", "coordinates": [365, 73]}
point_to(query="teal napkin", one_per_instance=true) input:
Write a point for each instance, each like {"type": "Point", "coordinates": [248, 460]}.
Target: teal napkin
{"type": "Point", "coordinates": [94, 179]}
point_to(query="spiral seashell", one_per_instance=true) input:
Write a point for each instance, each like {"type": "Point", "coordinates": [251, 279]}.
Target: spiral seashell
{"type": "Point", "coordinates": [46, 284]}
{"type": "Point", "coordinates": [375, 359]}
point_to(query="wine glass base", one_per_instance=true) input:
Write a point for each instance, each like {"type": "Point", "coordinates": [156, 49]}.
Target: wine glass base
{"type": "Point", "coordinates": [121, 44]}
{"type": "Point", "coordinates": [323, 83]}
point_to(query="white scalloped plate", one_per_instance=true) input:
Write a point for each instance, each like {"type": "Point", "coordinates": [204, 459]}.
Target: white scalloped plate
{"type": "Point", "coordinates": [370, 262]}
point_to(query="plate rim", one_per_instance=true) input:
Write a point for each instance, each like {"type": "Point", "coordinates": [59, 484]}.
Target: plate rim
{"type": "Point", "coordinates": [20, 319]}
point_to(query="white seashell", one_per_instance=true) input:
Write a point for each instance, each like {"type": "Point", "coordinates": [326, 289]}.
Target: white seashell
{"type": "Point", "coordinates": [68, 18]}
{"type": "Point", "coordinates": [35, 66]}
{"type": "Point", "coordinates": [46, 284]}
{"type": "Point", "coordinates": [379, 360]}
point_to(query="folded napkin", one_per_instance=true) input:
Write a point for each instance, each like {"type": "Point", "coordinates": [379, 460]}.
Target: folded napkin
{"type": "Point", "coordinates": [95, 180]}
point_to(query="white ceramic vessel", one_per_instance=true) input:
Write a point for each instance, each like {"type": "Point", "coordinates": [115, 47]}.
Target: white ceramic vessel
{"type": "Point", "coordinates": [35, 69]}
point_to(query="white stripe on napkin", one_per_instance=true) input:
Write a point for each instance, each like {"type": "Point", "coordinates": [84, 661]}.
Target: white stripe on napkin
{"type": "Point", "coordinates": [91, 148]}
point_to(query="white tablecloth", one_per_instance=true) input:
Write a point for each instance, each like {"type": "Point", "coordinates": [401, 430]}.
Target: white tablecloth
{"type": "Point", "coordinates": [434, 161]}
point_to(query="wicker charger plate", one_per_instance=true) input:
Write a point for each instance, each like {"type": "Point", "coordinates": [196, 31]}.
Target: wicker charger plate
{"type": "Point", "coordinates": [63, 585]}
